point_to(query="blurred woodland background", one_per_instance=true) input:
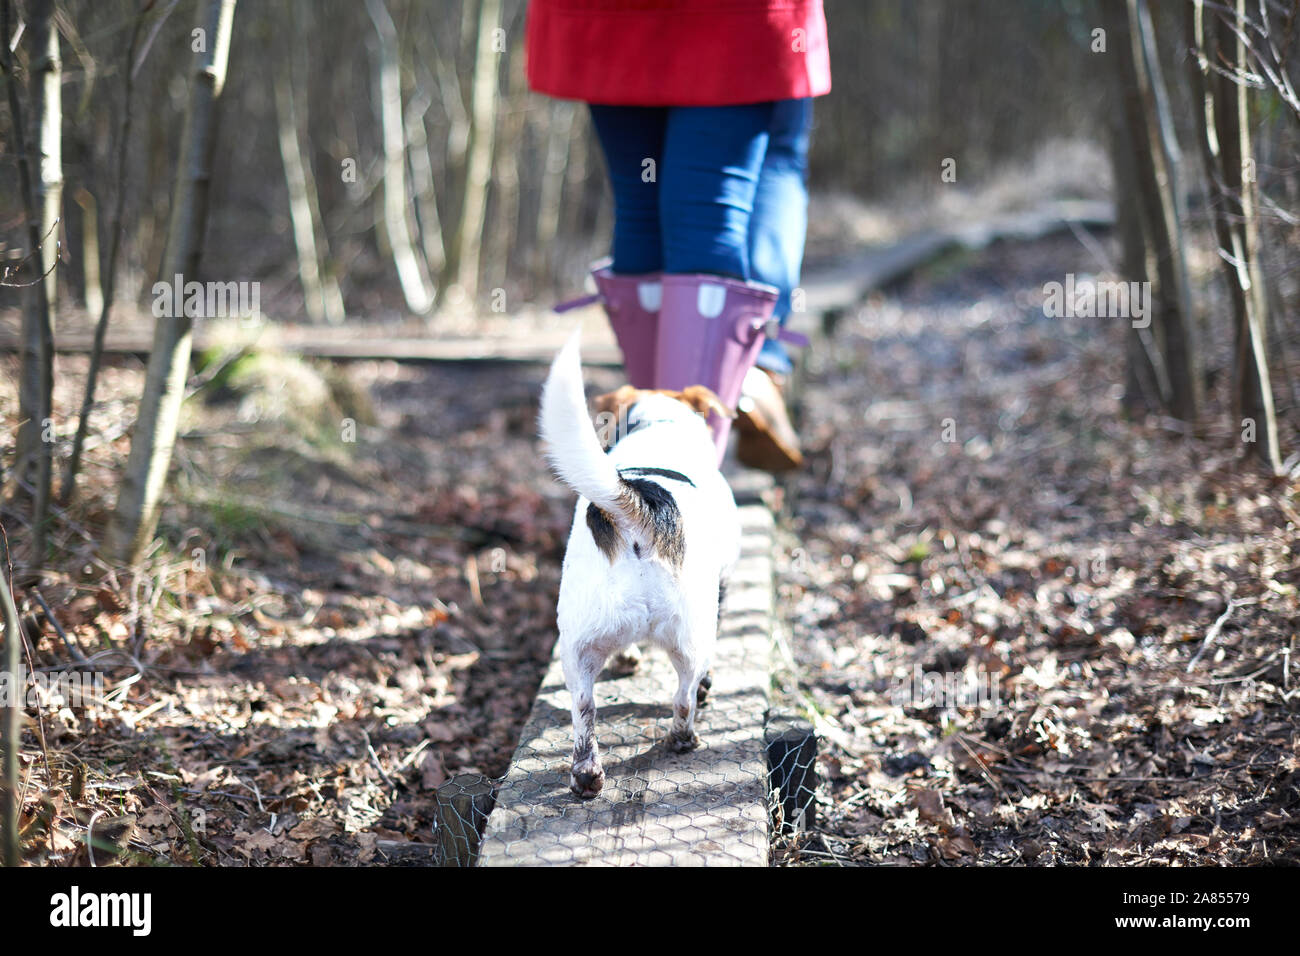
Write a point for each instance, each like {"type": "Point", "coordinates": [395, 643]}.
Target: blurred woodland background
{"type": "Point", "coordinates": [502, 188]}
{"type": "Point", "coordinates": [372, 160]}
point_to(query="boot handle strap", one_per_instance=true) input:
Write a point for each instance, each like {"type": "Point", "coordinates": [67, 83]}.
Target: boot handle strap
{"type": "Point", "coordinates": [774, 330]}
{"type": "Point", "coordinates": [577, 303]}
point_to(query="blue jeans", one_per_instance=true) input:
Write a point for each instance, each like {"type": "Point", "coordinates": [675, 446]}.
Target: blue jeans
{"type": "Point", "coordinates": [712, 189]}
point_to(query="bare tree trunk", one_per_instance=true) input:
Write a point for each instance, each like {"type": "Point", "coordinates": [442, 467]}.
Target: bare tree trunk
{"type": "Point", "coordinates": [478, 170]}
{"type": "Point", "coordinates": [1146, 386]}
{"type": "Point", "coordinates": [422, 182]}
{"type": "Point", "coordinates": [1150, 139]}
{"type": "Point", "coordinates": [500, 239]}
{"type": "Point", "coordinates": [136, 516]}
{"type": "Point", "coordinates": [90, 250]}
{"type": "Point", "coordinates": [320, 306]}
{"type": "Point", "coordinates": [930, 50]}
{"type": "Point", "coordinates": [1162, 193]}
{"type": "Point", "coordinates": [1254, 384]}
{"type": "Point", "coordinates": [575, 177]}
{"type": "Point", "coordinates": [453, 104]}
{"type": "Point", "coordinates": [47, 118]}
{"type": "Point", "coordinates": [411, 271]}
{"type": "Point", "coordinates": [559, 131]}
{"type": "Point", "coordinates": [13, 713]}
{"type": "Point", "coordinates": [41, 202]}
{"type": "Point", "coordinates": [310, 238]}
{"type": "Point", "coordinates": [1223, 123]}
{"type": "Point", "coordinates": [69, 485]}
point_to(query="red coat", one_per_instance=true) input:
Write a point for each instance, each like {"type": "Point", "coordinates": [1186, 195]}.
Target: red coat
{"type": "Point", "coordinates": [677, 52]}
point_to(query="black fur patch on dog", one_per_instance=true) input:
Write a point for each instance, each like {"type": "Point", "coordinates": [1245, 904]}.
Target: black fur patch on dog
{"type": "Point", "coordinates": [651, 506]}
{"type": "Point", "coordinates": [656, 509]}
{"type": "Point", "coordinates": [603, 532]}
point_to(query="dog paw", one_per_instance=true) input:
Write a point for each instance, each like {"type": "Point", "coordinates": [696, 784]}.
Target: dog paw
{"type": "Point", "coordinates": [702, 691]}
{"type": "Point", "coordinates": [586, 784]}
{"type": "Point", "coordinates": [681, 743]}
{"type": "Point", "coordinates": [625, 663]}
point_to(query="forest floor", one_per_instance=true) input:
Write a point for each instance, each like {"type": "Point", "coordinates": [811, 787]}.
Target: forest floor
{"type": "Point", "coordinates": [1030, 632]}
{"type": "Point", "coordinates": [355, 600]}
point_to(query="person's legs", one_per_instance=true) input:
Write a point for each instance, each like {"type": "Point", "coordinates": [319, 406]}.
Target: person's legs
{"type": "Point", "coordinates": [779, 222]}
{"type": "Point", "coordinates": [629, 288]}
{"type": "Point", "coordinates": [712, 315]}
{"type": "Point", "coordinates": [712, 156]}
{"type": "Point", "coordinates": [629, 135]}
{"type": "Point", "coordinates": [776, 239]}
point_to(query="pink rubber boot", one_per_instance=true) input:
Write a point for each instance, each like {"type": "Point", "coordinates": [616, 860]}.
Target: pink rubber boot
{"type": "Point", "coordinates": [710, 334]}
{"type": "Point", "coordinates": [632, 304]}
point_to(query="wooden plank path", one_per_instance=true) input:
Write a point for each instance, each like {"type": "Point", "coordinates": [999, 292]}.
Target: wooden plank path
{"type": "Point", "coordinates": [844, 283]}
{"type": "Point", "coordinates": [349, 343]}
{"type": "Point", "coordinates": [828, 287]}
{"type": "Point", "coordinates": [703, 808]}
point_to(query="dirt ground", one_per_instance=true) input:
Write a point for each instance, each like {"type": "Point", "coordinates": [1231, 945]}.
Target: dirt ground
{"type": "Point", "coordinates": [1034, 633]}
{"type": "Point", "coordinates": [1029, 631]}
{"type": "Point", "coordinates": [332, 628]}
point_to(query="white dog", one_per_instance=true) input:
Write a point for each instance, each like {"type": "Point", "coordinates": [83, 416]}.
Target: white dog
{"type": "Point", "coordinates": [654, 536]}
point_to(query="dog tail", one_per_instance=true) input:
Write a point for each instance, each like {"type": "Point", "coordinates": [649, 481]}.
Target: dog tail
{"type": "Point", "coordinates": [571, 445]}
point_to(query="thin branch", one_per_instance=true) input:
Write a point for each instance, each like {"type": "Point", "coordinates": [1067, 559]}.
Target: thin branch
{"type": "Point", "coordinates": [71, 645]}
{"type": "Point", "coordinates": [1212, 634]}
{"type": "Point", "coordinates": [1270, 65]}
{"type": "Point", "coordinates": [69, 485]}
{"type": "Point", "coordinates": [153, 34]}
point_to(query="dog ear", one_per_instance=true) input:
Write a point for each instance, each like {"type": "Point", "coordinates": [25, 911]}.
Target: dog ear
{"type": "Point", "coordinates": [703, 400]}
{"type": "Point", "coordinates": [616, 401]}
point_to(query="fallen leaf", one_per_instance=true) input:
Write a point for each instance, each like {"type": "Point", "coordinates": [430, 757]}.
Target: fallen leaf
{"type": "Point", "coordinates": [432, 773]}
{"type": "Point", "coordinates": [929, 804]}
{"type": "Point", "coordinates": [314, 829]}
